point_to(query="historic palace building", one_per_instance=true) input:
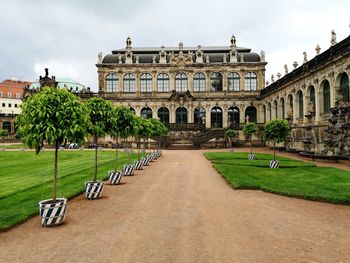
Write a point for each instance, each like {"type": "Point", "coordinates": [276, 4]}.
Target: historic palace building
{"type": "Point", "coordinates": [200, 91]}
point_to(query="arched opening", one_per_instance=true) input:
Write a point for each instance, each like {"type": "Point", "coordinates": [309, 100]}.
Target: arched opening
{"type": "Point", "coordinates": [146, 113]}
{"type": "Point", "coordinates": [129, 82]}
{"type": "Point", "coordinates": [132, 110]}
{"type": "Point", "coordinates": [250, 81]}
{"type": "Point", "coordinates": [282, 108]}
{"type": "Point", "coordinates": [250, 114]}
{"type": "Point", "coordinates": [163, 114]}
{"type": "Point", "coordinates": [233, 81]}
{"type": "Point", "coordinates": [146, 82]}
{"type": "Point", "coordinates": [199, 115]}
{"type": "Point", "coordinates": [269, 108]}
{"type": "Point", "coordinates": [163, 82]}
{"type": "Point", "coordinates": [326, 96]}
{"type": "Point", "coordinates": [233, 116]}
{"type": "Point", "coordinates": [199, 82]}
{"type": "Point", "coordinates": [264, 113]}
{"type": "Point", "coordinates": [216, 117]}
{"type": "Point", "coordinates": [6, 126]}
{"type": "Point", "coordinates": [275, 110]}
{"type": "Point", "coordinates": [300, 104]}
{"type": "Point", "coordinates": [181, 82]}
{"type": "Point", "coordinates": [344, 86]}
{"type": "Point", "coordinates": [112, 83]}
{"type": "Point", "coordinates": [181, 115]}
{"type": "Point", "coordinates": [216, 81]}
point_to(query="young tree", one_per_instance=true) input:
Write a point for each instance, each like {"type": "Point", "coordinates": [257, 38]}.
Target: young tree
{"type": "Point", "coordinates": [3, 134]}
{"type": "Point", "coordinates": [102, 118]}
{"type": "Point", "coordinates": [249, 130]}
{"type": "Point", "coordinates": [157, 129]}
{"type": "Point", "coordinates": [52, 115]}
{"type": "Point", "coordinates": [230, 134]}
{"type": "Point", "coordinates": [123, 126]}
{"type": "Point", "coordinates": [276, 131]}
{"type": "Point", "coordinates": [142, 131]}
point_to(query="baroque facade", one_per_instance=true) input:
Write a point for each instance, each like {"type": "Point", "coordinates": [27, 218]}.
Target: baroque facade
{"type": "Point", "coordinates": [206, 89]}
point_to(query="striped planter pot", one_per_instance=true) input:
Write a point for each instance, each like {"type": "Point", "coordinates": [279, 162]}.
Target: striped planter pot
{"type": "Point", "coordinates": [128, 170]}
{"type": "Point", "coordinates": [114, 177]}
{"type": "Point", "coordinates": [144, 161]}
{"type": "Point", "coordinates": [274, 164]}
{"type": "Point", "coordinates": [138, 165]}
{"type": "Point", "coordinates": [147, 159]}
{"type": "Point", "coordinates": [93, 190]}
{"type": "Point", "coordinates": [52, 213]}
{"type": "Point", "coordinates": [251, 156]}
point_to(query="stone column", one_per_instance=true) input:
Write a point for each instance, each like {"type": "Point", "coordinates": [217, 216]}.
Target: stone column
{"type": "Point", "coordinates": [190, 113]}
{"type": "Point", "coordinates": [208, 116]}
{"type": "Point", "coordinates": [154, 82]}
{"type": "Point", "coordinates": [306, 103]}
{"type": "Point", "coordinates": [190, 81]}
{"type": "Point", "coordinates": [224, 81]}
{"type": "Point", "coordinates": [172, 113]}
{"type": "Point", "coordinates": [241, 80]}
{"type": "Point", "coordinates": [207, 81]}
{"type": "Point", "coordinates": [242, 113]}
{"type": "Point", "coordinates": [224, 116]}
{"type": "Point", "coordinates": [137, 83]}
{"type": "Point", "coordinates": [318, 106]}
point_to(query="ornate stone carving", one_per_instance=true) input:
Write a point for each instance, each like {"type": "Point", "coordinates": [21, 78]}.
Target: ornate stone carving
{"type": "Point", "coordinates": [242, 58]}
{"type": "Point", "coordinates": [162, 55]}
{"type": "Point", "coordinates": [189, 57]}
{"type": "Point", "coordinates": [333, 38]}
{"type": "Point", "coordinates": [267, 83]}
{"type": "Point", "coordinates": [305, 57]}
{"type": "Point", "coordinates": [199, 54]}
{"type": "Point", "coordinates": [285, 69]}
{"type": "Point", "coordinates": [272, 78]}
{"type": "Point", "coordinates": [233, 42]}
{"type": "Point", "coordinates": [225, 58]}
{"type": "Point", "coordinates": [128, 57]}
{"type": "Point", "coordinates": [154, 59]}
{"type": "Point", "coordinates": [318, 49]}
{"type": "Point", "coordinates": [262, 56]}
{"type": "Point", "coordinates": [128, 42]}
{"type": "Point", "coordinates": [99, 58]}
{"type": "Point", "coordinates": [207, 59]}
{"type": "Point", "coordinates": [120, 58]}
{"type": "Point", "coordinates": [310, 108]}
{"type": "Point", "coordinates": [295, 64]}
{"type": "Point", "coordinates": [137, 58]}
{"type": "Point", "coordinates": [279, 75]}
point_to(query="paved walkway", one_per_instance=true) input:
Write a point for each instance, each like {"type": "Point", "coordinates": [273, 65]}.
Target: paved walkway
{"type": "Point", "coordinates": [180, 210]}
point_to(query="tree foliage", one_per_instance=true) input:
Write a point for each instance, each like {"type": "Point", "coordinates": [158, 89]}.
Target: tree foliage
{"type": "Point", "coordinates": [250, 129]}
{"type": "Point", "coordinates": [231, 133]}
{"type": "Point", "coordinates": [4, 133]}
{"type": "Point", "coordinates": [276, 130]}
{"type": "Point", "coordinates": [52, 115]}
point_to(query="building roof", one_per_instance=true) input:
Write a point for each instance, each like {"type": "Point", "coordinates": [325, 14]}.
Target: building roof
{"type": "Point", "coordinates": [209, 49]}
{"type": "Point", "coordinates": [13, 86]}
{"type": "Point", "coordinates": [62, 83]}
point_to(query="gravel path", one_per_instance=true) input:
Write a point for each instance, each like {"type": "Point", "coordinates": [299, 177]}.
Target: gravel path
{"type": "Point", "coordinates": [180, 210]}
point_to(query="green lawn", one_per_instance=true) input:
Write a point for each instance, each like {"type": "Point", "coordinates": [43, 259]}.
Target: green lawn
{"type": "Point", "coordinates": [293, 178]}
{"type": "Point", "coordinates": [26, 178]}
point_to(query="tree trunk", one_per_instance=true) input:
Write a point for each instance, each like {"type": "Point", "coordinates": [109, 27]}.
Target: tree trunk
{"type": "Point", "coordinates": [116, 155]}
{"type": "Point", "coordinates": [55, 173]}
{"type": "Point", "coordinates": [138, 149]}
{"type": "Point", "coordinates": [274, 151]}
{"type": "Point", "coordinates": [251, 145]}
{"type": "Point", "coordinates": [129, 149]}
{"type": "Point", "coordinates": [96, 146]}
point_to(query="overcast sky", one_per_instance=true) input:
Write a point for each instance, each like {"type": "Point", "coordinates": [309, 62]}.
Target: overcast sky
{"type": "Point", "coordinates": [67, 35]}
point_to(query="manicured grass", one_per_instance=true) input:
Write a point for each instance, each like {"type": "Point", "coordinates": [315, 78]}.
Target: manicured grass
{"type": "Point", "coordinates": [293, 178]}
{"type": "Point", "coordinates": [26, 178]}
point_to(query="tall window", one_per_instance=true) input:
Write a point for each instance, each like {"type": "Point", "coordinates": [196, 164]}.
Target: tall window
{"type": "Point", "coordinates": [146, 113]}
{"type": "Point", "coordinates": [282, 107]}
{"type": "Point", "coordinates": [129, 82]}
{"type": "Point", "coordinates": [112, 83]}
{"type": "Point", "coordinates": [291, 103]}
{"type": "Point", "coordinates": [146, 82]}
{"type": "Point", "coordinates": [344, 87]}
{"type": "Point", "coordinates": [269, 111]}
{"type": "Point", "coordinates": [163, 82]}
{"type": "Point", "coordinates": [199, 115]}
{"type": "Point", "coordinates": [233, 81]}
{"type": "Point", "coordinates": [233, 116]}
{"type": "Point", "coordinates": [199, 82]}
{"type": "Point", "coordinates": [250, 81]}
{"type": "Point", "coordinates": [216, 117]}
{"type": "Point", "coordinates": [216, 81]}
{"type": "Point", "coordinates": [312, 95]}
{"type": "Point", "coordinates": [163, 114]}
{"type": "Point", "coordinates": [250, 114]}
{"type": "Point", "coordinates": [9, 95]}
{"type": "Point", "coordinates": [181, 82]}
{"type": "Point", "coordinates": [181, 115]}
{"type": "Point", "coordinates": [326, 97]}
{"type": "Point", "coordinates": [18, 96]}
{"type": "Point", "coordinates": [275, 109]}
{"type": "Point", "coordinates": [300, 104]}
{"type": "Point", "coordinates": [264, 113]}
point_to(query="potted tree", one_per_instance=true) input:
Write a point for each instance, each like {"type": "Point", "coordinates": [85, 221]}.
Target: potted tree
{"type": "Point", "coordinates": [249, 130]}
{"type": "Point", "coordinates": [102, 120]}
{"type": "Point", "coordinates": [53, 115]}
{"type": "Point", "coordinates": [275, 131]}
{"type": "Point", "coordinates": [230, 134]}
{"type": "Point", "coordinates": [141, 131]}
{"type": "Point", "coordinates": [121, 127]}
{"type": "Point", "coordinates": [3, 134]}
{"type": "Point", "coordinates": [162, 131]}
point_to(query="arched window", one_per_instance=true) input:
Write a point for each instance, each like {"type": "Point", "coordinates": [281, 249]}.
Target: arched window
{"type": "Point", "coordinates": [275, 109]}
{"type": "Point", "coordinates": [216, 117]}
{"type": "Point", "coordinates": [250, 81]}
{"type": "Point", "coordinates": [216, 81]}
{"type": "Point", "coordinates": [326, 97]}
{"type": "Point", "coordinates": [112, 84]}
{"type": "Point", "coordinates": [290, 97]}
{"type": "Point", "coordinates": [233, 81]}
{"type": "Point", "coordinates": [233, 116]}
{"type": "Point", "coordinates": [129, 82]}
{"type": "Point", "coordinates": [132, 110]}
{"type": "Point", "coordinates": [300, 104]}
{"type": "Point", "coordinates": [163, 82]}
{"type": "Point", "coordinates": [312, 95]}
{"type": "Point", "coordinates": [181, 115]}
{"type": "Point", "coordinates": [146, 82]}
{"type": "Point", "coordinates": [199, 115]}
{"type": "Point", "coordinates": [250, 114]}
{"type": "Point", "coordinates": [264, 113]}
{"type": "Point", "coordinates": [6, 126]}
{"type": "Point", "coordinates": [163, 114]}
{"type": "Point", "coordinates": [269, 111]}
{"type": "Point", "coordinates": [199, 82]}
{"type": "Point", "coordinates": [344, 87]}
{"type": "Point", "coordinates": [181, 82]}
{"type": "Point", "coordinates": [146, 113]}
{"type": "Point", "coordinates": [282, 108]}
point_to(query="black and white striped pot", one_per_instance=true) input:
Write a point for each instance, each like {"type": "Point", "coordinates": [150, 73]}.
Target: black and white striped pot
{"type": "Point", "coordinates": [230, 150]}
{"type": "Point", "coordinates": [138, 165]}
{"type": "Point", "coordinates": [274, 164]}
{"type": "Point", "coordinates": [251, 156]}
{"type": "Point", "coordinates": [93, 190]}
{"type": "Point", "coordinates": [114, 177]}
{"type": "Point", "coordinates": [52, 213]}
{"type": "Point", "coordinates": [147, 159]}
{"type": "Point", "coordinates": [128, 170]}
